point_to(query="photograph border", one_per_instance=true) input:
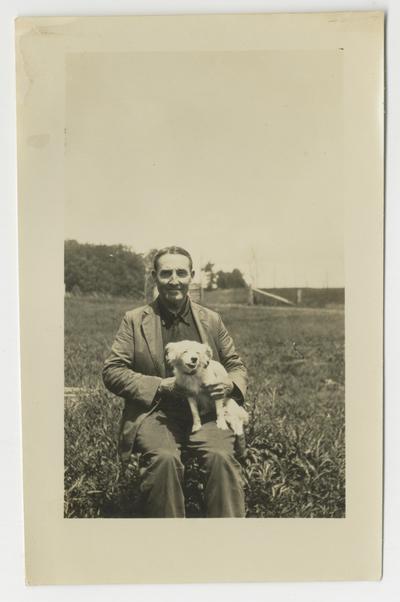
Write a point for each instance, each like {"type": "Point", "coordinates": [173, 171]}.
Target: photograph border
{"type": "Point", "coordinates": [297, 548]}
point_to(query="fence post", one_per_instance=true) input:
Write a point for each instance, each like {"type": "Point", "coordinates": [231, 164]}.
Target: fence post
{"type": "Point", "coordinates": [299, 296]}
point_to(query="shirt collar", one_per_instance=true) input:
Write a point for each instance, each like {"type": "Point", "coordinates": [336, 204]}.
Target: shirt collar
{"type": "Point", "coordinates": [167, 317]}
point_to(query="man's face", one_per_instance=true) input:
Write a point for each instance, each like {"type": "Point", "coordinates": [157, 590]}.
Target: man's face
{"type": "Point", "coordinates": [173, 277]}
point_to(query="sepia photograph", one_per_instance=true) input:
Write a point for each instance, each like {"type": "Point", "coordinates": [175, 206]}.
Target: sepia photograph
{"type": "Point", "coordinates": [204, 285]}
{"type": "Point", "coordinates": [201, 297]}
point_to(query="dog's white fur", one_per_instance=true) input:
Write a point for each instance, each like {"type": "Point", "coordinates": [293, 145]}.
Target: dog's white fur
{"type": "Point", "coordinates": [193, 368]}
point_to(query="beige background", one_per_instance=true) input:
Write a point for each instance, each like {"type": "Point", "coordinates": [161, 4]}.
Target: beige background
{"type": "Point", "coordinates": [121, 550]}
{"type": "Point", "coordinates": [242, 148]}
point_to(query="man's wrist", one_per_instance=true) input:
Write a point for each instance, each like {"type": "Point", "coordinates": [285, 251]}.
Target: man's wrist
{"type": "Point", "coordinates": [157, 391]}
{"type": "Point", "coordinates": [167, 385]}
{"type": "Point", "coordinates": [230, 386]}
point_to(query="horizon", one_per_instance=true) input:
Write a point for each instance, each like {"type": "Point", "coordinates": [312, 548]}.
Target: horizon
{"type": "Point", "coordinates": [198, 269]}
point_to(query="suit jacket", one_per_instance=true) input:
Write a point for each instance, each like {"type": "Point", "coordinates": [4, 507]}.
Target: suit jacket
{"type": "Point", "coordinates": [135, 366]}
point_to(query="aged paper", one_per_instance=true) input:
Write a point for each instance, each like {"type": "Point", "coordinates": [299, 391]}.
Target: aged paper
{"type": "Point", "coordinates": [62, 551]}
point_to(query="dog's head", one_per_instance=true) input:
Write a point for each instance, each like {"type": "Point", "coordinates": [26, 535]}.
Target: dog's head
{"type": "Point", "coordinates": [188, 356]}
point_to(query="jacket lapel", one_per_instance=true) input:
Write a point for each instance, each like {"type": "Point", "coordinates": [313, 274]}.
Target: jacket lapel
{"type": "Point", "coordinates": [202, 323]}
{"type": "Point", "coordinates": [151, 326]}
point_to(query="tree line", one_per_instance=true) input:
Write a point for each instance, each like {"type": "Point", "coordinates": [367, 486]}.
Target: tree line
{"type": "Point", "coordinates": [117, 270]}
{"type": "Point", "coordinates": [220, 279]}
{"type": "Point", "coordinates": [106, 269]}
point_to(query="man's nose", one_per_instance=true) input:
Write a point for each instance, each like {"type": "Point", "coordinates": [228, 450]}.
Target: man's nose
{"type": "Point", "coordinates": [174, 278]}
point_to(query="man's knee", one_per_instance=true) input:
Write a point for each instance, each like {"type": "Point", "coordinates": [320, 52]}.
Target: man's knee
{"type": "Point", "coordinates": [219, 457]}
{"type": "Point", "coordinates": [164, 457]}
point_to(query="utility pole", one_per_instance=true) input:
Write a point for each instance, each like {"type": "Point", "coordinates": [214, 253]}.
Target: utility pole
{"type": "Point", "coordinates": [253, 267]}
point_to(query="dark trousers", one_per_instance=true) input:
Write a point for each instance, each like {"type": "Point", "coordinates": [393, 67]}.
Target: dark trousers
{"type": "Point", "coordinates": [160, 440]}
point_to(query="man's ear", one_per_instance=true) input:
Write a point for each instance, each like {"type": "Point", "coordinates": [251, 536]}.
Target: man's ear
{"type": "Point", "coordinates": [153, 275]}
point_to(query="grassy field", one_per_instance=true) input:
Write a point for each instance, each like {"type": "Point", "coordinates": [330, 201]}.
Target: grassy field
{"type": "Point", "coordinates": [295, 463]}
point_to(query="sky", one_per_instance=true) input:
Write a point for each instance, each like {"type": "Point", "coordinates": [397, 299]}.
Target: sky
{"type": "Point", "coordinates": [232, 155]}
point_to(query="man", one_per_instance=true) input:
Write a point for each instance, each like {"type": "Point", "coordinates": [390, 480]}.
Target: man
{"type": "Point", "coordinates": [157, 421]}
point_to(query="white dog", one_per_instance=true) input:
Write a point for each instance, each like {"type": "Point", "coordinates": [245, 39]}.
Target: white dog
{"type": "Point", "coordinates": [193, 368]}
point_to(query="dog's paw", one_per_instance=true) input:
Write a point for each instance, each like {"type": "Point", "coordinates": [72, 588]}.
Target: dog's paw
{"type": "Point", "coordinates": [222, 424]}
{"type": "Point", "coordinates": [238, 430]}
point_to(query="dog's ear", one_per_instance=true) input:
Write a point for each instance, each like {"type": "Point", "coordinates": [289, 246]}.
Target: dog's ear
{"type": "Point", "coordinates": [208, 354]}
{"type": "Point", "coordinates": [170, 353]}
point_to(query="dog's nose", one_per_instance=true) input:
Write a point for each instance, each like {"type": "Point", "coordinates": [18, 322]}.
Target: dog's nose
{"type": "Point", "coordinates": [193, 359]}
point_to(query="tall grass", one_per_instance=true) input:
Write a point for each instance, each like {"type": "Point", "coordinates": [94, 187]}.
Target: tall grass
{"type": "Point", "coordinates": [295, 462]}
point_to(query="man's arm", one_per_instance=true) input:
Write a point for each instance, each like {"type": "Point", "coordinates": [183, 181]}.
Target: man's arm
{"type": "Point", "coordinates": [231, 362]}
{"type": "Point", "coordinates": [118, 374]}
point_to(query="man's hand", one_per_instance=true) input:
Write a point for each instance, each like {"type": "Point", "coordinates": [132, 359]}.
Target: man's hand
{"type": "Point", "coordinates": [219, 390]}
{"type": "Point", "coordinates": [167, 385]}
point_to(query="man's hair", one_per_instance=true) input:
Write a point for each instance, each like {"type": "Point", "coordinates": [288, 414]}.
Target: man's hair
{"type": "Point", "coordinates": [172, 251]}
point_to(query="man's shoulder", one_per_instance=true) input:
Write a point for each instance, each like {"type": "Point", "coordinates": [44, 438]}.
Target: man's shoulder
{"type": "Point", "coordinates": [205, 312]}
{"type": "Point", "coordinates": [139, 312]}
